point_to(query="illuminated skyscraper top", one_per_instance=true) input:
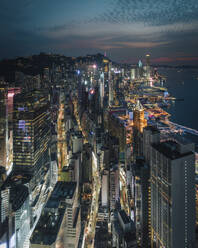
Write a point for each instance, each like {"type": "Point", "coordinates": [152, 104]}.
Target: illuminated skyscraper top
{"type": "Point", "coordinates": [148, 60]}
{"type": "Point", "coordinates": [140, 63]}
{"type": "Point", "coordinates": [139, 120]}
{"type": "Point", "coordinates": [148, 71]}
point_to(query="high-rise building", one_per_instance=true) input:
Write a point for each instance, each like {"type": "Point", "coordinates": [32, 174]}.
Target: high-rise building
{"type": "Point", "coordinates": [3, 124]}
{"type": "Point", "coordinates": [140, 68]}
{"type": "Point", "coordinates": [141, 197]}
{"type": "Point", "coordinates": [59, 224]}
{"type": "Point", "coordinates": [138, 118]}
{"type": "Point", "coordinates": [110, 82]}
{"type": "Point", "coordinates": [14, 214]}
{"type": "Point", "coordinates": [150, 135]}
{"type": "Point", "coordinates": [148, 70]}
{"type": "Point", "coordinates": [133, 73]}
{"type": "Point", "coordinates": [6, 121]}
{"type": "Point", "coordinates": [31, 131]}
{"type": "Point", "coordinates": [148, 60]}
{"type": "Point", "coordinates": [139, 123]}
{"type": "Point", "coordinates": [102, 90]}
{"type": "Point", "coordinates": [172, 170]}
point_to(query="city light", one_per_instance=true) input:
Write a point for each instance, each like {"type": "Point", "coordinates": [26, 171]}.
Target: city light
{"type": "Point", "coordinates": [80, 146]}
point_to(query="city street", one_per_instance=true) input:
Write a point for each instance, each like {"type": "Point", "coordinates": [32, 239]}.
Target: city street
{"type": "Point", "coordinates": [90, 228]}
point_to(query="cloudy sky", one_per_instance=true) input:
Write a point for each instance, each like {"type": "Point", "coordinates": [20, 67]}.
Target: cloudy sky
{"type": "Point", "coordinates": [125, 29]}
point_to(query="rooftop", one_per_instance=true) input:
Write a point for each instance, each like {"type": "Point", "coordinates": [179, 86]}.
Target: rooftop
{"type": "Point", "coordinates": [18, 195]}
{"type": "Point", "coordinates": [125, 218]}
{"type": "Point", "coordinates": [152, 128]}
{"type": "Point", "coordinates": [170, 149]}
{"type": "Point", "coordinates": [61, 192]}
{"type": "Point", "coordinates": [49, 224]}
{"type": "Point", "coordinates": [16, 178]}
{"type": "Point", "coordinates": [48, 227]}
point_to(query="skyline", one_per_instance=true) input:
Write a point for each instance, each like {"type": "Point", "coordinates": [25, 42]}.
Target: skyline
{"type": "Point", "coordinates": [125, 30]}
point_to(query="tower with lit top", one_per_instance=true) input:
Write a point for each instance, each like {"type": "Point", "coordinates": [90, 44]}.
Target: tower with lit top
{"type": "Point", "coordinates": [139, 120]}
{"type": "Point", "coordinates": [148, 66]}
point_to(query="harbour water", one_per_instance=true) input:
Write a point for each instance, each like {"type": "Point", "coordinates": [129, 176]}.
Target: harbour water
{"type": "Point", "coordinates": [183, 84]}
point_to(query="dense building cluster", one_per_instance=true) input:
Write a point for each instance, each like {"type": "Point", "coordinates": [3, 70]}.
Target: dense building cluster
{"type": "Point", "coordinates": [88, 158]}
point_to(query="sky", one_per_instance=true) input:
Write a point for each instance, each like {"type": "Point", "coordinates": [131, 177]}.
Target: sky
{"type": "Point", "coordinates": [125, 29]}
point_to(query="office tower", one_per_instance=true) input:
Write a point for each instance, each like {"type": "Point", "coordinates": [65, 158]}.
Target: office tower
{"type": "Point", "coordinates": [14, 214]}
{"type": "Point", "coordinates": [138, 118]}
{"type": "Point", "coordinates": [77, 141]}
{"type": "Point", "coordinates": [172, 170]}
{"type": "Point", "coordinates": [150, 135]}
{"type": "Point", "coordinates": [140, 68]}
{"type": "Point", "coordinates": [46, 74]}
{"type": "Point", "coordinates": [147, 60]}
{"type": "Point", "coordinates": [102, 93]}
{"type": "Point", "coordinates": [133, 73]}
{"type": "Point", "coordinates": [3, 124]}
{"type": "Point", "coordinates": [31, 132]}
{"type": "Point", "coordinates": [110, 82]}
{"type": "Point", "coordinates": [139, 123]}
{"type": "Point", "coordinates": [19, 199]}
{"type": "Point", "coordinates": [123, 230]}
{"type": "Point", "coordinates": [59, 224]}
{"type": "Point", "coordinates": [148, 72]}
{"type": "Point", "coordinates": [141, 196]}
{"type": "Point", "coordinates": [6, 119]}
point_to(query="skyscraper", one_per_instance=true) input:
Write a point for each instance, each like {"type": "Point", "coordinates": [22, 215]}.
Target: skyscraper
{"type": "Point", "coordinates": [110, 81]}
{"type": "Point", "coordinates": [3, 124]}
{"type": "Point", "coordinates": [148, 66]}
{"type": "Point", "coordinates": [172, 194]}
{"type": "Point", "coordinates": [139, 122]}
{"type": "Point", "coordinates": [31, 131]}
{"type": "Point", "coordinates": [141, 196]}
{"type": "Point", "coordinates": [138, 119]}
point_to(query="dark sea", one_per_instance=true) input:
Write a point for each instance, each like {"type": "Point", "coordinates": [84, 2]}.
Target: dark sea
{"type": "Point", "coordinates": [183, 84]}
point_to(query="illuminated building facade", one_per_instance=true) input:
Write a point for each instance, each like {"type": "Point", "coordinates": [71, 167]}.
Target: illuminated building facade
{"type": "Point", "coordinates": [110, 82]}
{"type": "Point", "coordinates": [138, 119]}
{"type": "Point", "coordinates": [31, 131]}
{"type": "Point", "coordinates": [6, 133]}
{"type": "Point", "coordinates": [172, 195]}
{"type": "Point", "coordinates": [133, 73]}
{"type": "Point", "coordinates": [139, 123]}
{"type": "Point", "coordinates": [148, 72]}
{"type": "Point", "coordinates": [3, 124]}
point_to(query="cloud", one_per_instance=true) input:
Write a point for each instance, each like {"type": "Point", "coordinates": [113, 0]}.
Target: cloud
{"type": "Point", "coordinates": [174, 59]}
{"type": "Point", "coordinates": [149, 12]}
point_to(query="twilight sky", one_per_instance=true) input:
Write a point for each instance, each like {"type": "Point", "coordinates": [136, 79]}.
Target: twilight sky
{"type": "Point", "coordinates": [125, 29]}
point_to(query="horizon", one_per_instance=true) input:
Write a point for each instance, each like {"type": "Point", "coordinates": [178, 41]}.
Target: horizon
{"type": "Point", "coordinates": [125, 30]}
